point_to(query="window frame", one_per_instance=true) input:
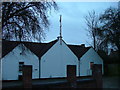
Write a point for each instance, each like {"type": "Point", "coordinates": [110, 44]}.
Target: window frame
{"type": "Point", "coordinates": [21, 66]}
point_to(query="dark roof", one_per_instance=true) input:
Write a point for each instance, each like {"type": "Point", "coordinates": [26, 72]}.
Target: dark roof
{"type": "Point", "coordinates": [40, 49]}
{"type": "Point", "coordinates": [78, 50]}
{"type": "Point", "coordinates": [37, 48]}
{"type": "Point", "coordinates": [8, 46]}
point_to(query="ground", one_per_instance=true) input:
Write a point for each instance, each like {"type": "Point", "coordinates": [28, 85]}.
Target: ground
{"type": "Point", "coordinates": [111, 82]}
{"type": "Point", "coordinates": [108, 82]}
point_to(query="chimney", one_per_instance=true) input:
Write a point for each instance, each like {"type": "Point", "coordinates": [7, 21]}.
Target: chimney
{"type": "Point", "coordinates": [82, 45]}
{"type": "Point", "coordinates": [58, 37]}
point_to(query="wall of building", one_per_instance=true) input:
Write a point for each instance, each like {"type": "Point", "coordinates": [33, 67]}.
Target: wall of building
{"type": "Point", "coordinates": [54, 62]}
{"type": "Point", "coordinates": [10, 67]}
{"type": "Point", "coordinates": [10, 63]}
{"type": "Point", "coordinates": [89, 56]}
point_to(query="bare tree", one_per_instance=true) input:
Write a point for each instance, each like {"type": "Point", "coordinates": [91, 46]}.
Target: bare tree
{"type": "Point", "coordinates": [92, 22]}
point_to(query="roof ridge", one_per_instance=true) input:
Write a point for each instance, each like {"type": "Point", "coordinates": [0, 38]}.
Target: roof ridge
{"type": "Point", "coordinates": [79, 45]}
{"type": "Point", "coordinates": [29, 41]}
{"type": "Point", "coordinates": [40, 49]}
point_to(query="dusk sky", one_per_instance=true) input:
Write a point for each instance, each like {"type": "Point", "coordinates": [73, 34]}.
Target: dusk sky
{"type": "Point", "coordinates": [73, 21]}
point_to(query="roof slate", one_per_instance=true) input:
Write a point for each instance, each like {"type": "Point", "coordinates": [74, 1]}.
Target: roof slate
{"type": "Point", "coordinates": [78, 50]}
{"type": "Point", "coordinates": [39, 49]}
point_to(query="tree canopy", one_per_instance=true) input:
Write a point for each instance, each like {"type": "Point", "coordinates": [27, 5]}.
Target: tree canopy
{"type": "Point", "coordinates": [25, 20]}
{"type": "Point", "coordinates": [110, 28]}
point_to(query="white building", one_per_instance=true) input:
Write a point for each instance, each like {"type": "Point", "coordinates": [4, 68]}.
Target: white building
{"type": "Point", "coordinates": [48, 60]}
{"type": "Point", "coordinates": [12, 62]}
{"type": "Point", "coordinates": [54, 62]}
{"type": "Point", "coordinates": [86, 57]}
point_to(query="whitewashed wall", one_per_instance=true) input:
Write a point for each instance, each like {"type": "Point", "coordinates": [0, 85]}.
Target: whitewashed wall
{"type": "Point", "coordinates": [54, 62]}
{"type": "Point", "coordinates": [89, 56]}
{"type": "Point", "coordinates": [10, 63]}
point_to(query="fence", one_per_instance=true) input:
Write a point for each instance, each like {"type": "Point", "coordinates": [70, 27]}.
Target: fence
{"type": "Point", "coordinates": [95, 81]}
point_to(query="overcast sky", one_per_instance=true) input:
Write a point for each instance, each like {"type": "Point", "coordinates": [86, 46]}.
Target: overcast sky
{"type": "Point", "coordinates": [73, 21]}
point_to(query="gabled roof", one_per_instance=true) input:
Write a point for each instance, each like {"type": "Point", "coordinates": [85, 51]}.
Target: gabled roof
{"type": "Point", "coordinates": [8, 46]}
{"type": "Point", "coordinates": [78, 50]}
{"type": "Point", "coordinates": [37, 48]}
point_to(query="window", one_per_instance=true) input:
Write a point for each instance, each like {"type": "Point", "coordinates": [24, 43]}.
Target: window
{"type": "Point", "coordinates": [91, 64]}
{"type": "Point", "coordinates": [21, 66]}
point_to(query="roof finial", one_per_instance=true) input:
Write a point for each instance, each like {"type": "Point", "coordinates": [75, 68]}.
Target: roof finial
{"type": "Point", "coordinates": [60, 30]}
{"type": "Point", "coordinates": [60, 26]}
